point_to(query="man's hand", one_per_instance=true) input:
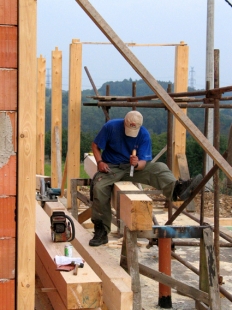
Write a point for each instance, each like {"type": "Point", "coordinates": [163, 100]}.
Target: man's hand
{"type": "Point", "coordinates": [103, 167]}
{"type": "Point", "coordinates": [134, 160]}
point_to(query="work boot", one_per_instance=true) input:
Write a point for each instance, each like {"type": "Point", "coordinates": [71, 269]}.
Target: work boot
{"type": "Point", "coordinates": [100, 234]}
{"type": "Point", "coordinates": [183, 189]}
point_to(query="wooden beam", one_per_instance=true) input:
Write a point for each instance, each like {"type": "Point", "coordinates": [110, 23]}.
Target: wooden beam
{"type": "Point", "coordinates": [56, 112]}
{"type": "Point", "coordinates": [181, 85]}
{"type": "Point", "coordinates": [26, 154]}
{"type": "Point", "coordinates": [40, 115]}
{"type": "Point", "coordinates": [155, 86]}
{"type": "Point", "coordinates": [83, 290]}
{"type": "Point", "coordinates": [116, 283]}
{"type": "Point", "coordinates": [74, 115]}
{"type": "Point", "coordinates": [136, 211]}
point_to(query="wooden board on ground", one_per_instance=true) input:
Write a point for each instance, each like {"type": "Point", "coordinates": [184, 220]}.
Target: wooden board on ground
{"type": "Point", "coordinates": [116, 283]}
{"type": "Point", "coordinates": [81, 291]}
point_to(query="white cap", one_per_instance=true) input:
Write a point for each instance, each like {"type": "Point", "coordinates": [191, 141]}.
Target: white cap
{"type": "Point", "coordinates": [133, 121]}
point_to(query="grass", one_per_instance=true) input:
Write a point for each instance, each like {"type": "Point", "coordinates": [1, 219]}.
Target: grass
{"type": "Point", "coordinates": [47, 170]}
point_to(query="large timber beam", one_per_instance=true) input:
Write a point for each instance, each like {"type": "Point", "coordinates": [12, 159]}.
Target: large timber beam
{"type": "Point", "coordinates": [116, 283]}
{"type": "Point", "coordinates": [155, 86]}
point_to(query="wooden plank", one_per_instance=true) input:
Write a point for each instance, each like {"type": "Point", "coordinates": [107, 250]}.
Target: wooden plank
{"type": "Point", "coordinates": [116, 283]}
{"type": "Point", "coordinates": [58, 156]}
{"type": "Point", "coordinates": [229, 157]}
{"type": "Point", "coordinates": [76, 291]}
{"type": "Point", "coordinates": [7, 294]}
{"type": "Point", "coordinates": [8, 51]}
{"type": "Point", "coordinates": [175, 284]}
{"type": "Point", "coordinates": [214, 293]}
{"type": "Point", "coordinates": [8, 12]}
{"type": "Point", "coordinates": [26, 154]}
{"type": "Point", "coordinates": [155, 86]}
{"type": "Point", "coordinates": [49, 210]}
{"type": "Point", "coordinates": [40, 115]}
{"type": "Point", "coordinates": [181, 85]}
{"type": "Point", "coordinates": [121, 186]}
{"type": "Point", "coordinates": [136, 211]}
{"type": "Point", "coordinates": [7, 258]}
{"type": "Point", "coordinates": [53, 296]}
{"type": "Point", "coordinates": [133, 267]}
{"type": "Point", "coordinates": [74, 115]}
{"type": "Point", "coordinates": [8, 89]}
{"type": "Point", "coordinates": [56, 113]}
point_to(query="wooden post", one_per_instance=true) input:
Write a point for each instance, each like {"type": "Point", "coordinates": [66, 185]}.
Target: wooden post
{"type": "Point", "coordinates": [74, 114]}
{"type": "Point", "coordinates": [181, 84]}
{"type": "Point", "coordinates": [56, 112]}
{"type": "Point", "coordinates": [40, 115]}
{"type": "Point", "coordinates": [26, 155]}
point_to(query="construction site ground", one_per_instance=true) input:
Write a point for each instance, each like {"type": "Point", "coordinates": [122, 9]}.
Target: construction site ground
{"type": "Point", "coordinates": [149, 257]}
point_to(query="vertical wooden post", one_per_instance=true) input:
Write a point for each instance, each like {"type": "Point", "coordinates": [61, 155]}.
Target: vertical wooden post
{"type": "Point", "coordinates": [181, 85]}
{"type": "Point", "coordinates": [40, 115]}
{"type": "Point", "coordinates": [26, 155]}
{"type": "Point", "coordinates": [74, 114]}
{"type": "Point", "coordinates": [56, 117]}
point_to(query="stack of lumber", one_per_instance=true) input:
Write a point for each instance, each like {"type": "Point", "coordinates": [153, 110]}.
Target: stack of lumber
{"type": "Point", "coordinates": [65, 290]}
{"type": "Point", "coordinates": [115, 281]}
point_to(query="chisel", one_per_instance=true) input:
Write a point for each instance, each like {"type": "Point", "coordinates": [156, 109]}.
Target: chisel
{"type": "Point", "coordinates": [132, 167]}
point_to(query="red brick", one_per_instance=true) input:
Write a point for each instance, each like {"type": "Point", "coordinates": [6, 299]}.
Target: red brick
{"type": "Point", "coordinates": [8, 12]}
{"type": "Point", "coordinates": [7, 216]}
{"type": "Point", "coordinates": [8, 89]}
{"type": "Point", "coordinates": [8, 46]}
{"type": "Point", "coordinates": [8, 178]}
{"type": "Point", "coordinates": [7, 294]}
{"type": "Point", "coordinates": [7, 258]}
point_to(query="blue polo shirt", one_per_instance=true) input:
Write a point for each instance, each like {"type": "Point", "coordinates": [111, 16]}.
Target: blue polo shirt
{"type": "Point", "coordinates": [117, 147]}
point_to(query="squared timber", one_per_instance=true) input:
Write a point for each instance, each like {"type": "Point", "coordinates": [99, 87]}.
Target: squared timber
{"type": "Point", "coordinates": [81, 291]}
{"type": "Point", "coordinates": [116, 283]}
{"type": "Point", "coordinates": [136, 211]}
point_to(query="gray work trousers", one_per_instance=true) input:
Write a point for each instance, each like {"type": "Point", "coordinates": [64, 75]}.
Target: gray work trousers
{"type": "Point", "coordinates": [157, 175]}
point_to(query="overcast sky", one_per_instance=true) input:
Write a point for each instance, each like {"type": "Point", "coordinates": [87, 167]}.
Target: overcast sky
{"type": "Point", "coordinates": [138, 21]}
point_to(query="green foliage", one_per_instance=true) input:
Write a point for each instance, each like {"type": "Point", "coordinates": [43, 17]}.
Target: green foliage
{"type": "Point", "coordinates": [158, 143]}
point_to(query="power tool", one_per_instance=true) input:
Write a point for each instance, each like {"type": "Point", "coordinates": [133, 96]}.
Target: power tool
{"type": "Point", "coordinates": [62, 227]}
{"type": "Point", "coordinates": [47, 193]}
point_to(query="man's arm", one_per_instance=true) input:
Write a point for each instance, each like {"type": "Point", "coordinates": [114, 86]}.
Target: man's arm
{"type": "Point", "coordinates": [102, 167]}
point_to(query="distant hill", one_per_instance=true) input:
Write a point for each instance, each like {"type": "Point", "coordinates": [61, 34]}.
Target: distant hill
{"type": "Point", "coordinates": [155, 119]}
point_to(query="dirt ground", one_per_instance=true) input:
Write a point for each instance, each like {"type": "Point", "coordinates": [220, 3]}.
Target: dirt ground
{"type": "Point", "coordinates": [149, 288]}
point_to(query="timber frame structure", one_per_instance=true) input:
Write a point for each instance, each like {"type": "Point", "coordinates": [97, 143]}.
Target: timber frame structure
{"type": "Point", "coordinates": [18, 117]}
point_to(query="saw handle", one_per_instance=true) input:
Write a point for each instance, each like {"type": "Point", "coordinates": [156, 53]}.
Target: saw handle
{"type": "Point", "coordinates": [72, 226]}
